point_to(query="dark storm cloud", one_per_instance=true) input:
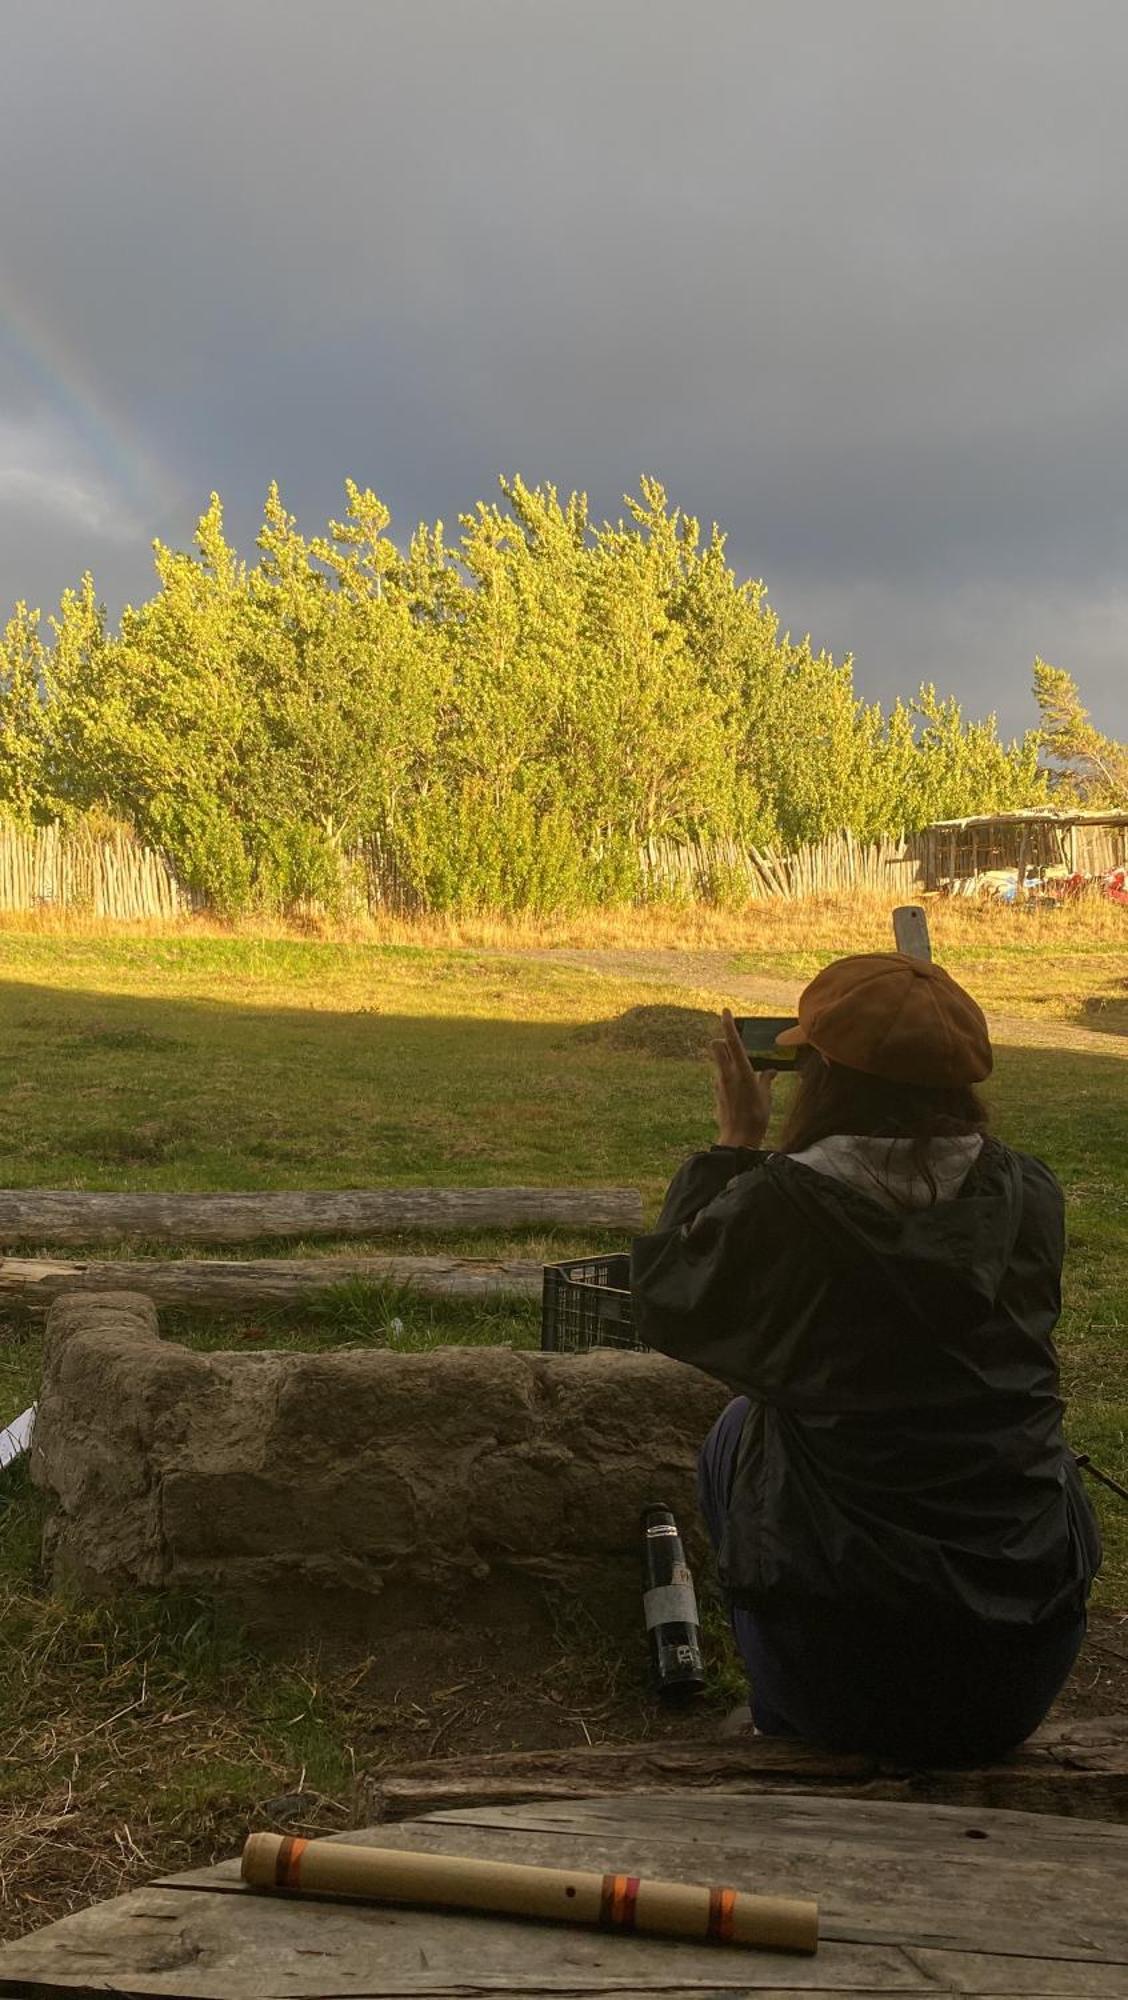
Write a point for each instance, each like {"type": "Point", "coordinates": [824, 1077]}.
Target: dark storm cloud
{"type": "Point", "coordinates": [849, 277]}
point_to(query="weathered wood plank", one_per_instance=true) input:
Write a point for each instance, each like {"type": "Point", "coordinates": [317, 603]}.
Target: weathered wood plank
{"type": "Point", "coordinates": [223, 1285]}
{"type": "Point", "coordinates": [49, 1215]}
{"type": "Point", "coordinates": [900, 1870]}
{"type": "Point", "coordinates": [793, 1823]}
{"type": "Point", "coordinates": [202, 1946]}
{"type": "Point", "coordinates": [921, 1823]}
{"type": "Point", "coordinates": [1078, 1769]}
{"type": "Point", "coordinates": [1019, 1979]}
{"type": "Point", "coordinates": [1083, 1795]}
{"type": "Point", "coordinates": [882, 1874]}
{"type": "Point", "coordinates": [909, 1905]}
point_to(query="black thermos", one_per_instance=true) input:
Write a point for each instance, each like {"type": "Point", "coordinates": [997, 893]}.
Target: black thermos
{"type": "Point", "coordinates": [670, 1607]}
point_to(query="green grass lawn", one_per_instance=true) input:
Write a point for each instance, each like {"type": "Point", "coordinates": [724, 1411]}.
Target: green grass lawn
{"type": "Point", "coordinates": [275, 1065]}
{"type": "Point", "coordinates": [1019, 965]}
{"type": "Point", "coordinates": [201, 1062]}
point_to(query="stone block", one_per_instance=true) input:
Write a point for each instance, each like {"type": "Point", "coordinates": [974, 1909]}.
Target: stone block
{"type": "Point", "coordinates": [361, 1491]}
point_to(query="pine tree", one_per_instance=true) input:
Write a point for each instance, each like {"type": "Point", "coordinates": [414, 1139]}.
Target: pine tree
{"type": "Point", "coordinates": [1092, 766]}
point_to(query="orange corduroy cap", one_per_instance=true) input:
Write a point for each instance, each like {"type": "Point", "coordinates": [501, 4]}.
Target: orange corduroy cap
{"type": "Point", "coordinates": [893, 1016]}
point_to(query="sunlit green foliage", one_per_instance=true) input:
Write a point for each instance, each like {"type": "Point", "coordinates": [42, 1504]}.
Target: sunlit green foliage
{"type": "Point", "coordinates": [1093, 767]}
{"type": "Point", "coordinates": [22, 715]}
{"type": "Point", "coordinates": [508, 723]}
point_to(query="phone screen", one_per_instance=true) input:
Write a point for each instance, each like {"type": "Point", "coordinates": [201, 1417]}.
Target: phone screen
{"type": "Point", "coordinates": [758, 1033]}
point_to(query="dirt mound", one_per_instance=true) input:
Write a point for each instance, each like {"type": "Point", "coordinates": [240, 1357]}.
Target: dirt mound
{"type": "Point", "coordinates": [657, 1031]}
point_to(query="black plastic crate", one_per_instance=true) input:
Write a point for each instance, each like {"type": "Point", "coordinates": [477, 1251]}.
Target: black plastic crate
{"type": "Point", "coordinates": [587, 1303]}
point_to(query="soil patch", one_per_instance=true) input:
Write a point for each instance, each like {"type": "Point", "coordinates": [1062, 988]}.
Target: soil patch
{"type": "Point", "coordinates": [122, 1810]}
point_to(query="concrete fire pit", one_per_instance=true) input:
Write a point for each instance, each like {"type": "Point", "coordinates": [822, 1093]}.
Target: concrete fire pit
{"type": "Point", "coordinates": [360, 1491]}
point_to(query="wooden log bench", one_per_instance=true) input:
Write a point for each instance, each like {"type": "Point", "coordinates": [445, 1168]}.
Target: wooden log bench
{"type": "Point", "coordinates": [48, 1215]}
{"type": "Point", "coordinates": [913, 1899]}
{"type": "Point", "coordinates": [224, 1285]}
{"type": "Point", "coordinates": [1072, 1768]}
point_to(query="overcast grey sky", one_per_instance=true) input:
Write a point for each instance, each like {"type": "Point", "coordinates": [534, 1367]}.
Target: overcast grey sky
{"type": "Point", "coordinates": [850, 276]}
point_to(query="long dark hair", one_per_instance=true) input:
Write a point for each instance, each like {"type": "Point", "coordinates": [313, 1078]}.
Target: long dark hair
{"type": "Point", "coordinates": [830, 1099]}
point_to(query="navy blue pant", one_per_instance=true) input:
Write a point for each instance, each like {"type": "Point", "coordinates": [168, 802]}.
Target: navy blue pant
{"type": "Point", "coordinates": [938, 1690]}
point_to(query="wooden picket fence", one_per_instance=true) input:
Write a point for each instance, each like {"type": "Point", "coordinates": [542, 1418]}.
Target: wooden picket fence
{"type": "Point", "coordinates": [702, 871]}
{"type": "Point", "coordinates": [47, 868]}
{"type": "Point", "coordinates": [716, 870]}
{"type": "Point", "coordinates": [388, 889]}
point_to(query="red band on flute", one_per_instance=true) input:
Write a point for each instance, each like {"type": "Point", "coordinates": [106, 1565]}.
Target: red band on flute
{"type": "Point", "coordinates": [722, 1915]}
{"type": "Point", "coordinates": [288, 1867]}
{"type": "Point", "coordinates": [618, 1902]}
{"type": "Point", "coordinates": [630, 1903]}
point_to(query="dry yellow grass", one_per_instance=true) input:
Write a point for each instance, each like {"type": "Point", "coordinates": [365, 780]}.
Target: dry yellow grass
{"type": "Point", "coordinates": [856, 922]}
{"type": "Point", "coordinates": [1066, 964]}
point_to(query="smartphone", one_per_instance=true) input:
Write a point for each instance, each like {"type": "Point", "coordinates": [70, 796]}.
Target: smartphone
{"type": "Point", "coordinates": [758, 1033]}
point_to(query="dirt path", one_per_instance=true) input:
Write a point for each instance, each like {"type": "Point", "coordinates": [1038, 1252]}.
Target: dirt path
{"type": "Point", "coordinates": [712, 972]}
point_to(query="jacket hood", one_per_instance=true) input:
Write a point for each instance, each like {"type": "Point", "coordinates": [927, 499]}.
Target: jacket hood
{"type": "Point", "coordinates": [957, 1250]}
{"type": "Point", "coordinates": [887, 1170]}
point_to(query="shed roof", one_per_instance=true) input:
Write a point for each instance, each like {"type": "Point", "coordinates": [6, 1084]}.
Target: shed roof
{"type": "Point", "coordinates": [1036, 816]}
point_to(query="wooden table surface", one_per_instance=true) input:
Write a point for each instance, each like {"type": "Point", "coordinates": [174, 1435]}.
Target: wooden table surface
{"type": "Point", "coordinates": [914, 1899]}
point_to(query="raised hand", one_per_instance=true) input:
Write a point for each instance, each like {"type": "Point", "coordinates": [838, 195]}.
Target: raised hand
{"type": "Point", "coordinates": [744, 1095]}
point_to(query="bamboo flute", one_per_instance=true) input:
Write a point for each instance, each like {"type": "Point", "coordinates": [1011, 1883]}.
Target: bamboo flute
{"type": "Point", "coordinates": [504, 1888]}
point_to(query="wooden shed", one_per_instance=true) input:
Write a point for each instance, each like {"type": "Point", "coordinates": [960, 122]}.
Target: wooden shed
{"type": "Point", "coordinates": [961, 851]}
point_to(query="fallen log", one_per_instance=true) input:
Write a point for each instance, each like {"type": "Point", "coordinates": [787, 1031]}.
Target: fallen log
{"type": "Point", "coordinates": [224, 1286]}
{"type": "Point", "coordinates": [1079, 1769]}
{"type": "Point", "coordinates": [50, 1215]}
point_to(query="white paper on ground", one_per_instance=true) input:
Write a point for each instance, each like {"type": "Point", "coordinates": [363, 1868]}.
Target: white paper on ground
{"type": "Point", "coordinates": [15, 1440]}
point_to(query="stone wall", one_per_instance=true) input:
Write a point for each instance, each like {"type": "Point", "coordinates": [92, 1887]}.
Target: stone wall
{"type": "Point", "coordinates": [362, 1490]}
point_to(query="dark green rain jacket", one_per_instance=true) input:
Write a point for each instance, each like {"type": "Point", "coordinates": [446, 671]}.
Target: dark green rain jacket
{"type": "Point", "coordinates": [904, 1445]}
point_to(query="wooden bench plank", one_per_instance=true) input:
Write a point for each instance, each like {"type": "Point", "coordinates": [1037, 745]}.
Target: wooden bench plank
{"type": "Point", "coordinates": [742, 1820]}
{"type": "Point", "coordinates": [52, 1215]}
{"type": "Point", "coordinates": [1071, 1768]}
{"type": "Point", "coordinates": [917, 1872]}
{"type": "Point", "coordinates": [909, 1905]}
{"type": "Point", "coordinates": [224, 1285]}
{"type": "Point", "coordinates": [225, 1947]}
{"type": "Point", "coordinates": [884, 1874]}
{"type": "Point", "coordinates": [1019, 1979]}
{"type": "Point", "coordinates": [156, 1944]}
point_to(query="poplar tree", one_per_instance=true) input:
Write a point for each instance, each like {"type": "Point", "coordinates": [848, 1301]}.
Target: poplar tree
{"type": "Point", "coordinates": [22, 716]}
{"type": "Point", "coordinates": [508, 720]}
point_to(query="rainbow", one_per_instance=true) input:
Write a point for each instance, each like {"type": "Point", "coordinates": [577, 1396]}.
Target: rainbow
{"type": "Point", "coordinates": [52, 366]}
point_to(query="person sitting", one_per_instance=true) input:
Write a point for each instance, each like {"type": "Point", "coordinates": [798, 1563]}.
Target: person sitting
{"type": "Point", "coordinates": [900, 1527]}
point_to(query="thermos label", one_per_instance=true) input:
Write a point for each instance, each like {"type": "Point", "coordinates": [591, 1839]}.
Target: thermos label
{"type": "Point", "coordinates": [673, 1603]}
